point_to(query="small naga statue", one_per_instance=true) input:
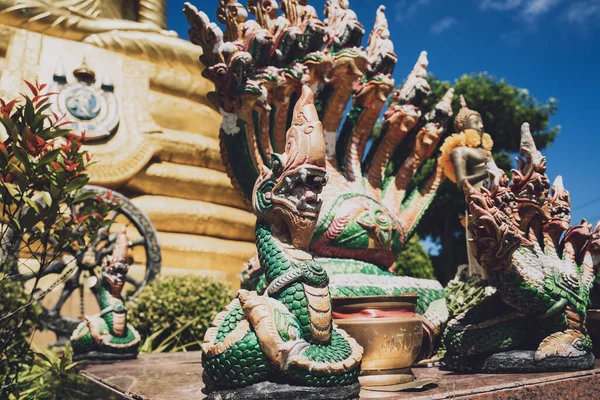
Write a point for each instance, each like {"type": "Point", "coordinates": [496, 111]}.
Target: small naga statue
{"type": "Point", "coordinates": [466, 157]}
{"type": "Point", "coordinates": [286, 334]}
{"type": "Point", "coordinates": [107, 335]}
{"type": "Point", "coordinates": [542, 267]}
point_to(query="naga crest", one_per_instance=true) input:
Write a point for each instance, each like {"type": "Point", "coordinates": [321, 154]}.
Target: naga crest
{"type": "Point", "coordinates": [288, 193]}
{"type": "Point", "coordinates": [115, 269]}
{"type": "Point", "coordinates": [532, 216]}
{"type": "Point", "coordinates": [259, 67]}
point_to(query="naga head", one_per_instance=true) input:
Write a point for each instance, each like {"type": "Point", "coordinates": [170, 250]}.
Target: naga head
{"type": "Point", "coordinates": [115, 269]}
{"type": "Point", "coordinates": [524, 213]}
{"type": "Point", "coordinates": [557, 210]}
{"type": "Point", "coordinates": [288, 194]}
{"type": "Point", "coordinates": [495, 236]}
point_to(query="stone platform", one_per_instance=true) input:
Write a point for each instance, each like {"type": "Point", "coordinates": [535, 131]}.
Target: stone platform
{"type": "Point", "coordinates": [178, 376]}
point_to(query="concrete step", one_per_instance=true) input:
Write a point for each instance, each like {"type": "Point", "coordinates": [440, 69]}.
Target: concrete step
{"type": "Point", "coordinates": [169, 214]}
{"type": "Point", "coordinates": [219, 258]}
{"type": "Point", "coordinates": [188, 149]}
{"type": "Point", "coordinates": [186, 182]}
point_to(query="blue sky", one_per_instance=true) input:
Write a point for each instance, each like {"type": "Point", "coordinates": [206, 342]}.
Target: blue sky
{"type": "Point", "coordinates": [549, 47]}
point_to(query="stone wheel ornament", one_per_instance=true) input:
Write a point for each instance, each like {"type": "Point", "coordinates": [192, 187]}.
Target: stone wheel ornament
{"type": "Point", "coordinates": [79, 266]}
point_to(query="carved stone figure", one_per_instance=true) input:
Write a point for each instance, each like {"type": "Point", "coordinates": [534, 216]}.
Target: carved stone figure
{"type": "Point", "coordinates": [466, 157]}
{"type": "Point", "coordinates": [107, 335]}
{"type": "Point", "coordinates": [542, 267]}
{"type": "Point", "coordinates": [367, 217]}
{"type": "Point", "coordinates": [344, 30]}
{"type": "Point", "coordinates": [286, 334]}
{"type": "Point", "coordinates": [380, 49]}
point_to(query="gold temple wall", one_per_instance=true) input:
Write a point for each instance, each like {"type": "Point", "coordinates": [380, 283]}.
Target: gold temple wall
{"type": "Point", "coordinates": [165, 152]}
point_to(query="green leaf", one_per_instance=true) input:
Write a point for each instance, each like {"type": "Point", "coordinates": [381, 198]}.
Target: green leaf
{"type": "Point", "coordinates": [20, 155]}
{"type": "Point", "coordinates": [76, 183]}
{"type": "Point", "coordinates": [32, 204]}
{"type": "Point", "coordinates": [71, 366]}
{"type": "Point", "coordinates": [43, 356]}
{"type": "Point", "coordinates": [29, 110]}
{"type": "Point", "coordinates": [44, 108]}
{"type": "Point", "coordinates": [47, 198]}
{"type": "Point", "coordinates": [84, 195]}
{"type": "Point", "coordinates": [49, 157]}
{"type": "Point", "coordinates": [8, 124]}
{"type": "Point", "coordinates": [22, 181]}
{"type": "Point", "coordinates": [54, 191]}
{"type": "Point", "coordinates": [12, 189]}
{"type": "Point", "coordinates": [37, 121]}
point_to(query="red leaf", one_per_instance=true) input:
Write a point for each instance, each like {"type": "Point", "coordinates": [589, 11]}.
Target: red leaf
{"type": "Point", "coordinates": [6, 109]}
{"type": "Point", "coordinates": [70, 167]}
{"type": "Point", "coordinates": [32, 88]}
{"type": "Point", "coordinates": [80, 219]}
{"type": "Point", "coordinates": [56, 165]}
{"type": "Point", "coordinates": [42, 102]}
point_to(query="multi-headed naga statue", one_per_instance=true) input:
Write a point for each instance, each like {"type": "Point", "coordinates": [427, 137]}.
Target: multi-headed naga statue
{"type": "Point", "coordinates": [259, 67]}
{"type": "Point", "coordinates": [543, 269]}
{"type": "Point", "coordinates": [286, 334]}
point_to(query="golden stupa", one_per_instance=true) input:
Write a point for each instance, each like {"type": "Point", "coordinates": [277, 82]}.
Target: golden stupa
{"type": "Point", "coordinates": [162, 150]}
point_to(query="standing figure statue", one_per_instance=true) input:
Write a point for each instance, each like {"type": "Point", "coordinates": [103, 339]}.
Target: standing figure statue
{"type": "Point", "coordinates": [466, 157]}
{"type": "Point", "coordinates": [107, 335]}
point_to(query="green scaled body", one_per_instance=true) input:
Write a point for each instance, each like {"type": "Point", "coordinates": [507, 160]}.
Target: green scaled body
{"type": "Point", "coordinates": [243, 362]}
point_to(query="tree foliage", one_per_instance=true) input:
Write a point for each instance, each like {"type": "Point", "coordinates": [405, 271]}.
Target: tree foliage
{"type": "Point", "coordinates": [503, 108]}
{"type": "Point", "coordinates": [414, 261]}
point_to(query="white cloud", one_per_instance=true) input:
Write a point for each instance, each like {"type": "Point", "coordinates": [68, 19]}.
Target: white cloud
{"type": "Point", "coordinates": [443, 25]}
{"type": "Point", "coordinates": [534, 8]}
{"type": "Point", "coordinates": [501, 5]}
{"type": "Point", "coordinates": [406, 9]}
{"type": "Point", "coordinates": [527, 9]}
{"type": "Point", "coordinates": [583, 12]}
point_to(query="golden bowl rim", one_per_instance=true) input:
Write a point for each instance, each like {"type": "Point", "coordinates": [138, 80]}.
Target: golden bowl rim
{"type": "Point", "coordinates": [353, 321]}
{"type": "Point", "coordinates": [406, 298]}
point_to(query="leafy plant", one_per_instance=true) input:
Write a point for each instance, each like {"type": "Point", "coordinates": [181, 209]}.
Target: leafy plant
{"type": "Point", "coordinates": [151, 344]}
{"type": "Point", "coordinates": [52, 376]}
{"type": "Point", "coordinates": [42, 168]}
{"type": "Point", "coordinates": [178, 310]}
{"type": "Point", "coordinates": [465, 291]}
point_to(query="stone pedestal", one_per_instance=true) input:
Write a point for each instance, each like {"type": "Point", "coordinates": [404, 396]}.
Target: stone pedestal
{"type": "Point", "coordinates": [179, 376]}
